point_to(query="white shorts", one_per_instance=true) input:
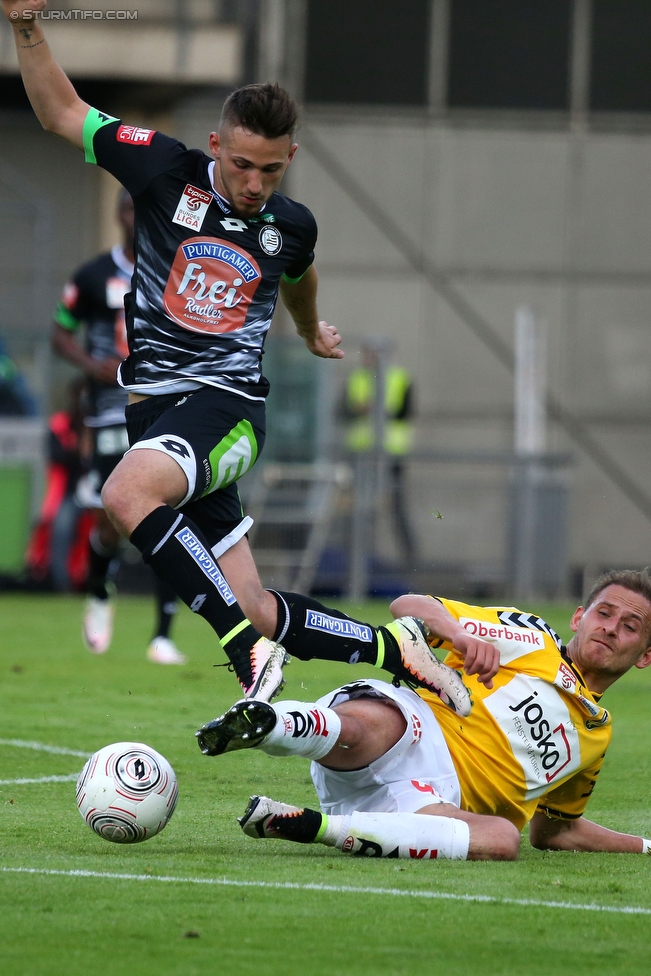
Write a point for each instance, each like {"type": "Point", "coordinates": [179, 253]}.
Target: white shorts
{"type": "Point", "coordinates": [417, 771]}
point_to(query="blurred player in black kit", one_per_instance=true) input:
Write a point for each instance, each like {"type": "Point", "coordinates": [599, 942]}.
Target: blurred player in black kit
{"type": "Point", "coordinates": [215, 246]}
{"type": "Point", "coordinates": [94, 297]}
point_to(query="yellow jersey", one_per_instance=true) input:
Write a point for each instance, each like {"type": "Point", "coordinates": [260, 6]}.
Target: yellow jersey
{"type": "Point", "coordinates": [537, 738]}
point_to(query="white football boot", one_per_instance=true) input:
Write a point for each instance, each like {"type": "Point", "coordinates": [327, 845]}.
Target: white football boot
{"type": "Point", "coordinates": [267, 661]}
{"type": "Point", "coordinates": [422, 667]}
{"type": "Point", "coordinates": [164, 651]}
{"type": "Point", "coordinates": [265, 817]}
{"type": "Point", "coordinates": [97, 624]}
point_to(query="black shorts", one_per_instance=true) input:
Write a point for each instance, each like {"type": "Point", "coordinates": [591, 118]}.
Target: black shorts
{"type": "Point", "coordinates": [215, 437]}
{"type": "Point", "coordinates": [110, 444]}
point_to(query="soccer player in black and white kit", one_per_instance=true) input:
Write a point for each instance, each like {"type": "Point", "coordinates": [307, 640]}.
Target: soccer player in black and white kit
{"type": "Point", "coordinates": [94, 297]}
{"type": "Point", "coordinates": [215, 245]}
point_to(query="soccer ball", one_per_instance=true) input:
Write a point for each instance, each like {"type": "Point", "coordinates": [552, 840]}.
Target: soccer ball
{"type": "Point", "coordinates": [127, 792]}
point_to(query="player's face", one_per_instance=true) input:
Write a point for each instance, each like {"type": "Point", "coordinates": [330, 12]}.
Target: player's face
{"type": "Point", "coordinates": [611, 636]}
{"type": "Point", "coordinates": [248, 167]}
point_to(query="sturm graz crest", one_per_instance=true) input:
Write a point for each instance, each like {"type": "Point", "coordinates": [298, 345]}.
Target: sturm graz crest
{"type": "Point", "coordinates": [270, 239]}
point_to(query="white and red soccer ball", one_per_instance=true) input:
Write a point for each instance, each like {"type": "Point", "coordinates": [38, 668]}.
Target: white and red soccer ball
{"type": "Point", "coordinates": [127, 792]}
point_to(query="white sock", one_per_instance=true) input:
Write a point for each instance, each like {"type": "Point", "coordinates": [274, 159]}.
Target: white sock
{"type": "Point", "coordinates": [404, 835]}
{"type": "Point", "coordinates": [302, 729]}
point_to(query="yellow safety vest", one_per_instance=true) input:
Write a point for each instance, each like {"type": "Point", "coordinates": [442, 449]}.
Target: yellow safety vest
{"type": "Point", "coordinates": [360, 394]}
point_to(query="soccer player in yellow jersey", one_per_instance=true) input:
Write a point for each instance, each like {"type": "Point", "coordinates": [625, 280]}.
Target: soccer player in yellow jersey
{"type": "Point", "coordinates": [398, 774]}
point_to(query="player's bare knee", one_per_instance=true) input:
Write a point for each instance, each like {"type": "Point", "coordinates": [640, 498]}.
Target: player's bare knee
{"type": "Point", "coordinates": [506, 841]}
{"type": "Point", "coordinates": [492, 838]}
{"type": "Point", "coordinates": [369, 728]}
{"type": "Point", "coordinates": [124, 504]}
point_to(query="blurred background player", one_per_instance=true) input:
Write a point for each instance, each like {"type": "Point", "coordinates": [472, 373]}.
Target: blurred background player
{"type": "Point", "coordinates": [57, 554]}
{"type": "Point", "coordinates": [94, 297]}
{"type": "Point", "coordinates": [15, 398]}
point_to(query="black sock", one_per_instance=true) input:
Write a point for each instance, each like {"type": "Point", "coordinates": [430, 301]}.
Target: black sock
{"type": "Point", "coordinates": [178, 553]}
{"type": "Point", "coordinates": [166, 607]}
{"type": "Point", "coordinates": [309, 630]}
{"type": "Point", "coordinates": [99, 562]}
{"type": "Point", "coordinates": [300, 827]}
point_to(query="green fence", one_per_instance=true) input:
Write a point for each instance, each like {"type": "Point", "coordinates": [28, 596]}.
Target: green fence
{"type": "Point", "coordinates": [15, 495]}
{"type": "Point", "coordinates": [292, 405]}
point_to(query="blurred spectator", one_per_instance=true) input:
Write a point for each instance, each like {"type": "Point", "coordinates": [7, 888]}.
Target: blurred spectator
{"type": "Point", "coordinates": [57, 551]}
{"type": "Point", "coordinates": [15, 398]}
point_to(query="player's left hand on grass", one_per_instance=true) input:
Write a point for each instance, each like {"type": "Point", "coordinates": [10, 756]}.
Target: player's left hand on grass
{"type": "Point", "coordinates": [325, 343]}
{"type": "Point", "coordinates": [479, 657]}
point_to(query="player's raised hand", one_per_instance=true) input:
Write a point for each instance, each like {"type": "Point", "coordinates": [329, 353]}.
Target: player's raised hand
{"type": "Point", "coordinates": [479, 657]}
{"type": "Point", "coordinates": [326, 342]}
{"type": "Point", "coordinates": [22, 11]}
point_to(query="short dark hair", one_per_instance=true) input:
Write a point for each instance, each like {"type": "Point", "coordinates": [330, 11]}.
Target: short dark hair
{"type": "Point", "coordinates": [268, 110]}
{"type": "Point", "coordinates": [630, 579]}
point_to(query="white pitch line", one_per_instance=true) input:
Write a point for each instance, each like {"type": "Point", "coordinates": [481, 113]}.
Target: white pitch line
{"type": "Point", "coordinates": [70, 778]}
{"type": "Point", "coordinates": [41, 747]}
{"type": "Point", "coordinates": [339, 889]}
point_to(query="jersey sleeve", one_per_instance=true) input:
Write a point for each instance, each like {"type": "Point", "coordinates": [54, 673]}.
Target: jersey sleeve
{"type": "Point", "coordinates": [569, 800]}
{"type": "Point", "coordinates": [295, 272]}
{"type": "Point", "coordinates": [134, 155]}
{"type": "Point", "coordinates": [74, 304]}
{"type": "Point", "coordinates": [453, 658]}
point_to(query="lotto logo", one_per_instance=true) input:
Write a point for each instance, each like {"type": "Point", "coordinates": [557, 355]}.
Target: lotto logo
{"type": "Point", "coordinates": [134, 135]}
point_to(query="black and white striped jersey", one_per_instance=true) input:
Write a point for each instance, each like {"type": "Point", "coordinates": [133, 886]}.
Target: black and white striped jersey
{"type": "Point", "coordinates": [206, 281]}
{"type": "Point", "coordinates": [94, 297]}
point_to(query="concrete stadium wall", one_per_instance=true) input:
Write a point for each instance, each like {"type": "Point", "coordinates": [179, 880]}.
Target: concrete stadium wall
{"type": "Point", "coordinates": [556, 219]}
{"type": "Point", "coordinates": [48, 225]}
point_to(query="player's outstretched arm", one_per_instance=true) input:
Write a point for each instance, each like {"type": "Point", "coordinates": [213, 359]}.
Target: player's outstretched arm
{"type": "Point", "coordinates": [479, 656]}
{"type": "Point", "coordinates": [300, 301]}
{"type": "Point", "coordinates": [101, 370]}
{"type": "Point", "coordinates": [57, 105]}
{"type": "Point", "coordinates": [581, 835]}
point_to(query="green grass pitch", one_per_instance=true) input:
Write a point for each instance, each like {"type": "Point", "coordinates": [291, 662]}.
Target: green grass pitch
{"type": "Point", "coordinates": [267, 907]}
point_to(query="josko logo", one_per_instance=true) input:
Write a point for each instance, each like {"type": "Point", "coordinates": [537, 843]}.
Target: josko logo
{"type": "Point", "coordinates": [535, 718]}
{"type": "Point", "coordinates": [211, 286]}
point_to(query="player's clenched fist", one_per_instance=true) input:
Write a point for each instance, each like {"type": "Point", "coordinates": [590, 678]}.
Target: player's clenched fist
{"type": "Point", "coordinates": [22, 11]}
{"type": "Point", "coordinates": [325, 343]}
{"type": "Point", "coordinates": [479, 657]}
